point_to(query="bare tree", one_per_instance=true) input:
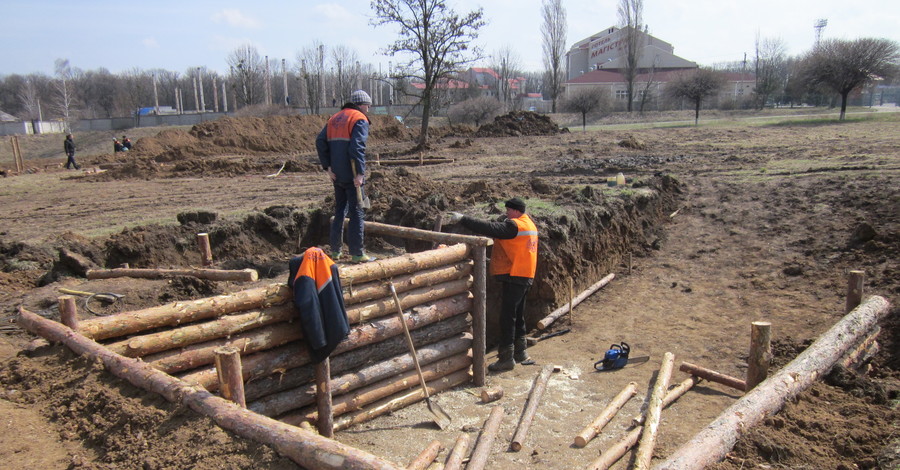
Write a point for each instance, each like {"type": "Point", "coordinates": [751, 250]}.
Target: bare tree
{"type": "Point", "coordinates": [553, 31]}
{"type": "Point", "coordinates": [631, 18]}
{"type": "Point", "coordinates": [346, 63]}
{"type": "Point", "coordinates": [311, 61]}
{"type": "Point", "coordinates": [65, 89]}
{"type": "Point", "coordinates": [247, 74]}
{"type": "Point", "coordinates": [437, 39]}
{"type": "Point", "coordinates": [100, 91]}
{"type": "Point", "coordinates": [586, 101]}
{"type": "Point", "coordinates": [771, 69]}
{"type": "Point", "coordinates": [695, 86]}
{"type": "Point", "coordinates": [30, 97]}
{"type": "Point", "coordinates": [844, 65]}
{"type": "Point", "coordinates": [474, 110]}
{"type": "Point", "coordinates": [506, 64]}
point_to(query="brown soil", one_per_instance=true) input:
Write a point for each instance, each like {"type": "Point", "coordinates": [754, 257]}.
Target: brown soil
{"type": "Point", "coordinates": [769, 220]}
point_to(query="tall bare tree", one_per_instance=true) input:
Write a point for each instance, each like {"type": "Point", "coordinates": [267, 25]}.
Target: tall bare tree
{"type": "Point", "coordinates": [65, 89]}
{"type": "Point", "coordinates": [506, 64]}
{"type": "Point", "coordinates": [553, 32]}
{"type": "Point", "coordinates": [346, 63]}
{"type": "Point", "coordinates": [311, 63]}
{"type": "Point", "coordinates": [771, 69]}
{"type": "Point", "coordinates": [436, 38]}
{"type": "Point", "coordinates": [696, 86]}
{"type": "Point", "coordinates": [844, 65]}
{"type": "Point", "coordinates": [631, 18]}
{"type": "Point", "coordinates": [247, 74]}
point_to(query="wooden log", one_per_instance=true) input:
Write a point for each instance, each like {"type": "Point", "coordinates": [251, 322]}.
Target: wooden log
{"type": "Point", "coordinates": [549, 319]}
{"type": "Point", "coordinates": [654, 410]}
{"type": "Point", "coordinates": [385, 268]}
{"type": "Point", "coordinates": [866, 349]}
{"type": "Point", "coordinates": [426, 161]}
{"type": "Point", "coordinates": [855, 282]}
{"type": "Point", "coordinates": [615, 452]}
{"type": "Point", "coordinates": [485, 441]}
{"type": "Point", "coordinates": [413, 298]}
{"type": "Point", "coordinates": [424, 459]}
{"type": "Point", "coordinates": [591, 430]}
{"type": "Point", "coordinates": [282, 402]}
{"type": "Point", "coordinates": [201, 354]}
{"type": "Point", "coordinates": [713, 442]}
{"type": "Point", "coordinates": [378, 289]}
{"type": "Point", "coordinates": [286, 357]}
{"type": "Point", "coordinates": [284, 379]}
{"type": "Point", "coordinates": [458, 453]}
{"type": "Point", "coordinates": [760, 353]}
{"type": "Point", "coordinates": [306, 449]}
{"type": "Point", "coordinates": [206, 257]}
{"type": "Point", "coordinates": [426, 235]}
{"type": "Point", "coordinates": [178, 313]}
{"type": "Point", "coordinates": [68, 312]}
{"type": "Point", "coordinates": [479, 317]}
{"type": "Point", "coordinates": [395, 403]}
{"type": "Point", "coordinates": [713, 376]}
{"type": "Point", "coordinates": [325, 424]}
{"type": "Point", "coordinates": [534, 398]}
{"type": "Point", "coordinates": [242, 275]}
{"type": "Point", "coordinates": [356, 400]}
{"type": "Point", "coordinates": [231, 382]}
{"type": "Point", "coordinates": [491, 394]}
{"type": "Point", "coordinates": [221, 327]}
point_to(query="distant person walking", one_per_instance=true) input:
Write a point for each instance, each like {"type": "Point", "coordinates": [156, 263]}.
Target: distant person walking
{"type": "Point", "coordinates": [342, 152]}
{"type": "Point", "coordinates": [69, 147]}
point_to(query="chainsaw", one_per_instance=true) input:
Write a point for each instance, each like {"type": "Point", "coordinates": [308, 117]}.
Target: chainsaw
{"type": "Point", "coordinates": [617, 357]}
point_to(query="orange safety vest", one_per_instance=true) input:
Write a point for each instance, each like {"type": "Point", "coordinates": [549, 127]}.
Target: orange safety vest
{"type": "Point", "coordinates": [340, 126]}
{"type": "Point", "coordinates": [517, 256]}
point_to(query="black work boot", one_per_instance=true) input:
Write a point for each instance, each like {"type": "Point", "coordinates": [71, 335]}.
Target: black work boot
{"type": "Point", "coordinates": [504, 360]}
{"type": "Point", "coordinates": [519, 346]}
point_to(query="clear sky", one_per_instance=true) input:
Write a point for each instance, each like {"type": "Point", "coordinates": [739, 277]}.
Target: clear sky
{"type": "Point", "coordinates": [123, 35]}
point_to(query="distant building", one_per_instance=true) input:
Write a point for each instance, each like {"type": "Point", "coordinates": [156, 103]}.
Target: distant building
{"type": "Point", "coordinates": [605, 51]}
{"type": "Point", "coordinates": [5, 117]}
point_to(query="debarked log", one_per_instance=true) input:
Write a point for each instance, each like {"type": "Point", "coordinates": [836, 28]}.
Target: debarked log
{"type": "Point", "coordinates": [549, 319]}
{"type": "Point", "coordinates": [286, 357]}
{"type": "Point", "coordinates": [201, 354]}
{"type": "Point", "coordinates": [395, 403]}
{"type": "Point", "coordinates": [426, 235]}
{"type": "Point", "coordinates": [282, 402]}
{"type": "Point", "coordinates": [458, 453]}
{"type": "Point", "coordinates": [590, 431]}
{"type": "Point", "coordinates": [379, 289]}
{"type": "Point", "coordinates": [713, 376]}
{"type": "Point", "coordinates": [357, 399]}
{"type": "Point", "coordinates": [424, 459]}
{"type": "Point", "coordinates": [483, 445]}
{"type": "Point", "coordinates": [534, 399]}
{"type": "Point", "coordinates": [227, 325]}
{"type": "Point", "coordinates": [713, 442]}
{"type": "Point", "coordinates": [385, 268]}
{"type": "Point", "coordinates": [386, 306]}
{"type": "Point", "coordinates": [242, 275]}
{"type": "Point", "coordinates": [303, 447]}
{"type": "Point", "coordinates": [287, 379]}
{"type": "Point", "coordinates": [178, 313]}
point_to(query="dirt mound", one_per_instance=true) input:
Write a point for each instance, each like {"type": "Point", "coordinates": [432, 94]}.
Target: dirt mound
{"type": "Point", "coordinates": [519, 123]}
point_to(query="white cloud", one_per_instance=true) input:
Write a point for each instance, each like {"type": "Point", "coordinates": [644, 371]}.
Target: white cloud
{"type": "Point", "coordinates": [333, 11]}
{"type": "Point", "coordinates": [150, 43]}
{"type": "Point", "coordinates": [234, 17]}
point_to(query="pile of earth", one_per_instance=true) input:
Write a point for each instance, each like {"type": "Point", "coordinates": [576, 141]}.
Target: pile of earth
{"type": "Point", "coordinates": [519, 123]}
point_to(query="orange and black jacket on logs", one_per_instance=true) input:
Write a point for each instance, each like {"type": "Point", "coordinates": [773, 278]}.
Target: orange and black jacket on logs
{"type": "Point", "coordinates": [517, 256]}
{"type": "Point", "coordinates": [317, 295]}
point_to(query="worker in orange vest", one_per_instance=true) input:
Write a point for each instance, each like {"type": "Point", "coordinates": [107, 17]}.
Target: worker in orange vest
{"type": "Point", "coordinates": [513, 264]}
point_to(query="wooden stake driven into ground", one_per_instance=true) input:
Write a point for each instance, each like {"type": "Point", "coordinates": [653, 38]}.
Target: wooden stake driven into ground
{"type": "Point", "coordinates": [556, 314]}
{"type": "Point", "coordinates": [712, 443]}
{"type": "Point", "coordinates": [325, 421]}
{"type": "Point", "coordinates": [242, 275]}
{"type": "Point", "coordinates": [205, 251]}
{"type": "Point", "coordinates": [760, 353]}
{"type": "Point", "coordinates": [534, 399]}
{"type": "Point", "coordinates": [228, 367]}
{"type": "Point", "coordinates": [68, 311]}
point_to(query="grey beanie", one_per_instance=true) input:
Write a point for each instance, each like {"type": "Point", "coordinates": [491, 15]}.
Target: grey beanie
{"type": "Point", "coordinates": [360, 97]}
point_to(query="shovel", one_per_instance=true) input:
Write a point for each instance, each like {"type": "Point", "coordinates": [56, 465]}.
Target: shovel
{"type": "Point", "coordinates": [364, 201]}
{"type": "Point", "coordinates": [441, 418]}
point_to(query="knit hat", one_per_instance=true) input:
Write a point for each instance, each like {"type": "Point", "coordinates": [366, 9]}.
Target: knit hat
{"type": "Point", "coordinates": [360, 97]}
{"type": "Point", "coordinates": [516, 203]}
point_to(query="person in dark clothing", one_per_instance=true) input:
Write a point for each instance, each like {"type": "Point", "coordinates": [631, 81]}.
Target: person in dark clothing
{"type": "Point", "coordinates": [69, 147]}
{"type": "Point", "coordinates": [341, 146]}
{"type": "Point", "coordinates": [513, 264]}
{"type": "Point", "coordinates": [126, 143]}
{"type": "Point", "coordinates": [117, 146]}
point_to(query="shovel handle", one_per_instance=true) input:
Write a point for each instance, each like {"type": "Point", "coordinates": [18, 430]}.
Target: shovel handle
{"type": "Point", "coordinates": [359, 196]}
{"type": "Point", "coordinates": [409, 340]}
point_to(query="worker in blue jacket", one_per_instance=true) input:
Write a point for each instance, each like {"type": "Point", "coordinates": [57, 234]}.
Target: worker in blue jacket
{"type": "Point", "coordinates": [342, 152]}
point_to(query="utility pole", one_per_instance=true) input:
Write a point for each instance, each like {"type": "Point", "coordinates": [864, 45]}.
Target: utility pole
{"type": "Point", "coordinates": [200, 81]}
{"type": "Point", "coordinates": [155, 96]}
{"type": "Point", "coordinates": [224, 99]}
{"type": "Point", "coordinates": [215, 90]}
{"type": "Point", "coordinates": [268, 84]}
{"type": "Point", "coordinates": [322, 72]}
{"type": "Point", "coordinates": [287, 98]}
{"type": "Point", "coordinates": [196, 97]}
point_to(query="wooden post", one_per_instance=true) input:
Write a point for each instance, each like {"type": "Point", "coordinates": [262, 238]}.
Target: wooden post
{"type": "Point", "coordinates": [491, 394]}
{"type": "Point", "coordinates": [654, 410]}
{"type": "Point", "coordinates": [608, 413]}
{"type": "Point", "coordinates": [68, 313]}
{"type": "Point", "coordinates": [571, 300]}
{"type": "Point", "coordinates": [534, 398]}
{"type": "Point", "coordinates": [455, 459]}
{"type": "Point", "coordinates": [854, 290]}
{"type": "Point", "coordinates": [231, 381]}
{"type": "Point", "coordinates": [479, 314]}
{"type": "Point", "coordinates": [424, 459]}
{"type": "Point", "coordinates": [325, 418]}
{"type": "Point", "coordinates": [485, 441]}
{"type": "Point", "coordinates": [205, 250]}
{"type": "Point", "coordinates": [760, 353]}
{"type": "Point", "coordinates": [713, 376]}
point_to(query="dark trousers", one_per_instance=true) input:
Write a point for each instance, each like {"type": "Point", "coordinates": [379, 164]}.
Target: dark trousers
{"type": "Point", "coordinates": [512, 314]}
{"type": "Point", "coordinates": [71, 161]}
{"type": "Point", "coordinates": [346, 203]}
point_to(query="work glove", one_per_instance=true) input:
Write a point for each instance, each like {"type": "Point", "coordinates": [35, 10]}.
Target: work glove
{"type": "Point", "coordinates": [453, 218]}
